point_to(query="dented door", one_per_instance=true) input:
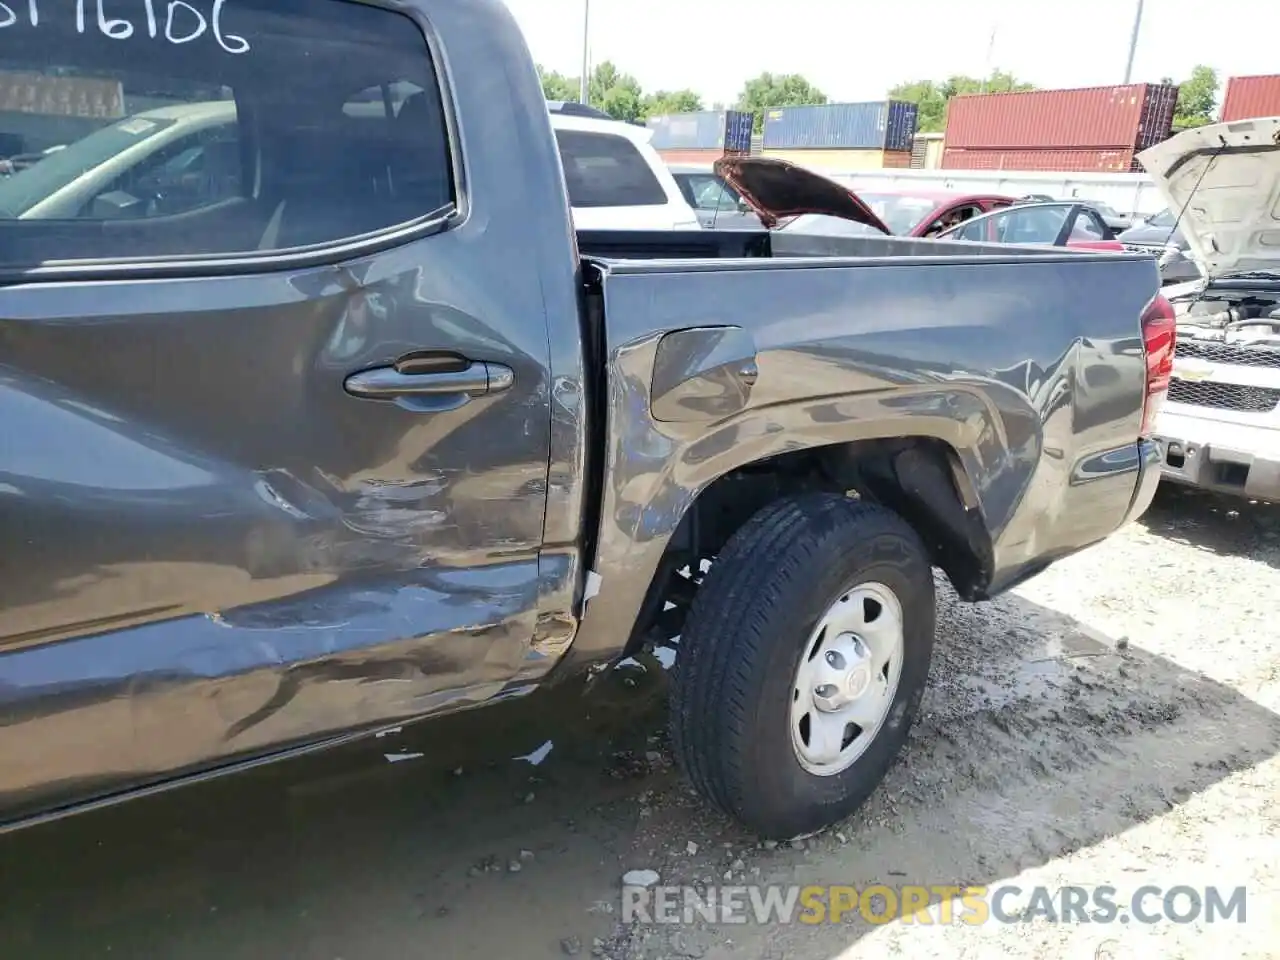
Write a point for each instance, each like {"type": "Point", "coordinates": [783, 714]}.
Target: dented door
{"type": "Point", "coordinates": [258, 503]}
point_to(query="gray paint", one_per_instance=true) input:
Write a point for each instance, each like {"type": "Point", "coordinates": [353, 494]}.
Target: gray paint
{"type": "Point", "coordinates": [215, 553]}
{"type": "Point", "coordinates": [993, 355]}
{"type": "Point", "coordinates": [703, 374]}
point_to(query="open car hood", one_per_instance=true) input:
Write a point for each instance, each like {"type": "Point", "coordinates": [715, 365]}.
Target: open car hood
{"type": "Point", "coordinates": [1230, 173]}
{"type": "Point", "coordinates": [776, 190]}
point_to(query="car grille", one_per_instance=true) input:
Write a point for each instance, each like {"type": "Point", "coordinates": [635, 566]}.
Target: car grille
{"type": "Point", "coordinates": [1219, 352]}
{"type": "Point", "coordinates": [1224, 396]}
{"type": "Point", "coordinates": [1155, 249]}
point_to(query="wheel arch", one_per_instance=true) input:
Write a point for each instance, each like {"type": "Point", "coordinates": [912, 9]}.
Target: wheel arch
{"type": "Point", "coordinates": [921, 478]}
{"type": "Point", "coordinates": [925, 453]}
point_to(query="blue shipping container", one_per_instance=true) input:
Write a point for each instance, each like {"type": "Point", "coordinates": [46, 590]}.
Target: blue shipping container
{"type": "Point", "coordinates": [903, 120]}
{"type": "Point", "coordinates": [880, 125]}
{"type": "Point", "coordinates": [688, 131]}
{"type": "Point", "coordinates": [728, 130]}
{"type": "Point", "coordinates": [737, 132]}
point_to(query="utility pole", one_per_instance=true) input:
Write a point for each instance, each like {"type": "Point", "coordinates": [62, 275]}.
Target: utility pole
{"type": "Point", "coordinates": [991, 49]}
{"type": "Point", "coordinates": [583, 93]}
{"type": "Point", "coordinates": [1133, 43]}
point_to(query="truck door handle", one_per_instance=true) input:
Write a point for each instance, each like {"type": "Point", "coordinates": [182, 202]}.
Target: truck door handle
{"type": "Point", "coordinates": [404, 382]}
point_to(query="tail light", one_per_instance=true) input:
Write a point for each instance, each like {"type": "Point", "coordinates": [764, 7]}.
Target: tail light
{"type": "Point", "coordinates": [1159, 338]}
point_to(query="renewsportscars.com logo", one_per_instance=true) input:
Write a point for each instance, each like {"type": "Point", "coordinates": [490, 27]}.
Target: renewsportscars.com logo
{"type": "Point", "coordinates": [935, 904]}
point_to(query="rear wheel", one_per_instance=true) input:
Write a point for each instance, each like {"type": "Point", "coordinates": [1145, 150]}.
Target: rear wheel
{"type": "Point", "coordinates": [802, 663]}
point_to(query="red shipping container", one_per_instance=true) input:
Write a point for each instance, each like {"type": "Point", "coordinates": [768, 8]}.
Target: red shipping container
{"type": "Point", "coordinates": [1113, 160]}
{"type": "Point", "coordinates": [1135, 117]}
{"type": "Point", "coordinates": [1249, 97]}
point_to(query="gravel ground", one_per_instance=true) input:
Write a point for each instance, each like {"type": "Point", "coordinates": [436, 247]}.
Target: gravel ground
{"type": "Point", "coordinates": [1114, 721]}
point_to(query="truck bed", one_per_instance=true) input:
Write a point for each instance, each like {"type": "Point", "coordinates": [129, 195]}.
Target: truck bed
{"type": "Point", "coordinates": [737, 244]}
{"type": "Point", "coordinates": [1028, 361]}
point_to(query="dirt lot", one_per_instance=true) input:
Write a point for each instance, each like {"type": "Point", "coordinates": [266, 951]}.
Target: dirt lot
{"type": "Point", "coordinates": [1115, 721]}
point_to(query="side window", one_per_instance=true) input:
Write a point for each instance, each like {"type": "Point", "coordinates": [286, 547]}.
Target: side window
{"type": "Point", "coordinates": [712, 193]}
{"type": "Point", "coordinates": [606, 170]}
{"type": "Point", "coordinates": [1004, 227]}
{"type": "Point", "coordinates": [977, 230]}
{"type": "Point", "coordinates": [1087, 227]}
{"type": "Point", "coordinates": [952, 218]}
{"type": "Point", "coordinates": [1040, 225]}
{"type": "Point", "coordinates": [198, 137]}
{"type": "Point", "coordinates": [194, 172]}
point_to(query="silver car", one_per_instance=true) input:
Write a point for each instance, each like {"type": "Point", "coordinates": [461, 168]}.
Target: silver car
{"type": "Point", "coordinates": [1160, 237]}
{"type": "Point", "coordinates": [716, 203]}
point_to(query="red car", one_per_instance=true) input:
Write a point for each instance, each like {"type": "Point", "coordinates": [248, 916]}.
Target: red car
{"type": "Point", "coordinates": [1060, 224]}
{"type": "Point", "coordinates": [924, 213]}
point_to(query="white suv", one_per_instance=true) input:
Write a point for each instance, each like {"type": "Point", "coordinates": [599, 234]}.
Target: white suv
{"type": "Point", "coordinates": [616, 179]}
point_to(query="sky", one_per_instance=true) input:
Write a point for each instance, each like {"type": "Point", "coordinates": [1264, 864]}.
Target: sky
{"type": "Point", "coordinates": [855, 50]}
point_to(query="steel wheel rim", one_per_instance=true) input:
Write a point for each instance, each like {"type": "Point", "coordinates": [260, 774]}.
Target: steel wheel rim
{"type": "Point", "coordinates": [847, 678]}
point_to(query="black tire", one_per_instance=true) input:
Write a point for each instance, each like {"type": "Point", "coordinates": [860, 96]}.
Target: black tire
{"type": "Point", "coordinates": [747, 629]}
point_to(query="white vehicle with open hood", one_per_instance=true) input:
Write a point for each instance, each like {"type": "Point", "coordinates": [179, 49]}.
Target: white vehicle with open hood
{"type": "Point", "coordinates": [1220, 428]}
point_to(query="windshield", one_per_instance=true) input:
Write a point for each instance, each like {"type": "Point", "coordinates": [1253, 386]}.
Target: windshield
{"type": "Point", "coordinates": [821, 223]}
{"type": "Point", "coordinates": [901, 212]}
{"type": "Point", "coordinates": [1162, 219]}
{"type": "Point", "coordinates": [26, 188]}
{"type": "Point", "coordinates": [706, 191]}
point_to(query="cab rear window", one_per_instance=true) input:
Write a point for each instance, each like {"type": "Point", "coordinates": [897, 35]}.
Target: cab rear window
{"type": "Point", "coordinates": [214, 127]}
{"type": "Point", "coordinates": [605, 170]}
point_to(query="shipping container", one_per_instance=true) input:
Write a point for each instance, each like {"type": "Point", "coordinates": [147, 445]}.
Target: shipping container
{"type": "Point", "coordinates": [903, 119]}
{"type": "Point", "coordinates": [61, 96]}
{"type": "Point", "coordinates": [1112, 160]}
{"type": "Point", "coordinates": [926, 151]}
{"type": "Point", "coordinates": [881, 125]}
{"type": "Point", "coordinates": [725, 130]}
{"type": "Point", "coordinates": [1133, 117]}
{"type": "Point", "coordinates": [841, 161]}
{"type": "Point", "coordinates": [702, 157]}
{"type": "Point", "coordinates": [1249, 97]}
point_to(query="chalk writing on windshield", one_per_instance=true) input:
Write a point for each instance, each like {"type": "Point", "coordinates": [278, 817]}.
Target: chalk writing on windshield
{"type": "Point", "coordinates": [174, 21]}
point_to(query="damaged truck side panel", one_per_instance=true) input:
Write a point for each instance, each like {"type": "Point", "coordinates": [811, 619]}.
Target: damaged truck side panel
{"type": "Point", "coordinates": [866, 353]}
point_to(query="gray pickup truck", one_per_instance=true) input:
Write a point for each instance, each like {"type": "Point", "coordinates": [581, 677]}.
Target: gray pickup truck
{"type": "Point", "coordinates": [320, 417]}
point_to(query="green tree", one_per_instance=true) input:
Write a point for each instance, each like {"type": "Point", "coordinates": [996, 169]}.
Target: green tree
{"type": "Point", "coordinates": [932, 96]}
{"type": "Point", "coordinates": [671, 101]}
{"type": "Point", "coordinates": [617, 94]}
{"type": "Point", "coordinates": [770, 90]}
{"type": "Point", "coordinates": [556, 86]}
{"type": "Point", "coordinates": [1197, 98]}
